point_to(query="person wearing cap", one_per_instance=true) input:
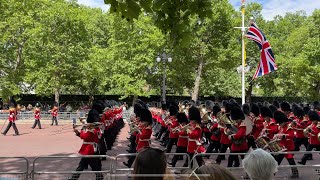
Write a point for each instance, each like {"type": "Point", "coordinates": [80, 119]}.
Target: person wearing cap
{"type": "Point", "coordinates": [238, 139]}
{"type": "Point", "coordinates": [54, 114]}
{"type": "Point", "coordinates": [12, 120]}
{"type": "Point", "coordinates": [285, 137]}
{"type": "Point", "coordinates": [89, 146]}
{"type": "Point", "coordinates": [313, 132]}
{"type": "Point", "coordinates": [194, 132]}
{"type": "Point", "coordinates": [37, 111]}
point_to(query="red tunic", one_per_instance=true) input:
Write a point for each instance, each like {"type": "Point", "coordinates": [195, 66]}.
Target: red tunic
{"type": "Point", "coordinates": [239, 135]}
{"type": "Point", "coordinates": [174, 124]}
{"type": "Point", "coordinates": [272, 128]}
{"type": "Point", "coordinates": [90, 137]}
{"type": "Point", "coordinates": [37, 113]}
{"type": "Point", "coordinates": [54, 112]}
{"type": "Point", "coordinates": [313, 135]}
{"type": "Point", "coordinates": [12, 115]}
{"type": "Point", "coordinates": [287, 141]}
{"type": "Point", "coordinates": [301, 125]}
{"type": "Point", "coordinates": [194, 140]}
{"type": "Point", "coordinates": [258, 126]}
{"type": "Point", "coordinates": [183, 139]}
{"type": "Point", "coordinates": [214, 128]}
{"type": "Point", "coordinates": [224, 138]}
{"type": "Point", "coordinates": [143, 137]}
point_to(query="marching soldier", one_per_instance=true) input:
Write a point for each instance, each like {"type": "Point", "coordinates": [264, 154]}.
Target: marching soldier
{"type": "Point", "coordinates": [238, 139]}
{"type": "Point", "coordinates": [285, 137]}
{"type": "Point", "coordinates": [173, 123]}
{"type": "Point", "coordinates": [54, 113]}
{"type": "Point", "coordinates": [194, 132]}
{"type": "Point", "coordinates": [313, 132]}
{"type": "Point", "coordinates": [300, 123]}
{"type": "Point", "coordinates": [183, 138]}
{"type": "Point", "coordinates": [257, 125]}
{"type": "Point", "coordinates": [216, 133]}
{"type": "Point", "coordinates": [12, 119]}
{"type": "Point", "coordinates": [37, 116]}
{"type": "Point", "coordinates": [270, 125]}
{"type": "Point", "coordinates": [89, 146]}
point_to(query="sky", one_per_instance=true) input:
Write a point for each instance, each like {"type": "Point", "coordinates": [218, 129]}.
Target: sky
{"type": "Point", "coordinates": [271, 8]}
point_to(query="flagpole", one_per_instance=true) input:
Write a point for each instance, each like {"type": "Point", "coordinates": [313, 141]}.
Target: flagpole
{"type": "Point", "coordinates": [243, 54]}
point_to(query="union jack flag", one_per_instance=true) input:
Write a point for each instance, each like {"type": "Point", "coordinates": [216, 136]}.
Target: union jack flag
{"type": "Point", "coordinates": [267, 62]}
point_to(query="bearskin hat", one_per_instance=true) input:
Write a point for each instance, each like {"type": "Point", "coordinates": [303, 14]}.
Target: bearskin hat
{"type": "Point", "coordinates": [276, 104]}
{"type": "Point", "coordinates": [298, 111]}
{"type": "Point", "coordinates": [228, 107]}
{"type": "Point", "coordinates": [185, 102]}
{"type": "Point", "coordinates": [99, 106]}
{"type": "Point", "coordinates": [273, 108]}
{"type": "Point", "coordinates": [313, 116]}
{"type": "Point", "coordinates": [233, 101]}
{"type": "Point", "coordinates": [198, 103]}
{"type": "Point", "coordinates": [294, 105]}
{"type": "Point", "coordinates": [145, 116]}
{"type": "Point", "coordinates": [306, 109]}
{"type": "Point", "coordinates": [246, 109]}
{"type": "Point", "coordinates": [224, 103]}
{"type": "Point", "coordinates": [173, 110]}
{"type": "Point", "coordinates": [255, 109]}
{"type": "Point", "coordinates": [209, 104]}
{"type": "Point", "coordinates": [215, 110]}
{"type": "Point", "coordinates": [137, 109]}
{"type": "Point", "coordinates": [164, 106]}
{"type": "Point", "coordinates": [236, 114]}
{"type": "Point", "coordinates": [266, 104]}
{"type": "Point", "coordinates": [194, 114]}
{"type": "Point", "coordinates": [316, 105]}
{"type": "Point", "coordinates": [285, 106]}
{"type": "Point", "coordinates": [93, 116]}
{"type": "Point", "coordinates": [192, 103]}
{"type": "Point", "coordinates": [266, 112]}
{"type": "Point", "coordinates": [259, 104]}
{"type": "Point", "coordinates": [38, 105]}
{"type": "Point", "coordinates": [280, 117]}
{"type": "Point", "coordinates": [182, 118]}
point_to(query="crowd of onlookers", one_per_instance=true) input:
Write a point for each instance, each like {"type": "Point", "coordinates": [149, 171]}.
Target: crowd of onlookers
{"type": "Point", "coordinates": [151, 164]}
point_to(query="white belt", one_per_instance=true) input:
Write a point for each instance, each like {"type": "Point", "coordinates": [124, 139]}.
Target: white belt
{"type": "Point", "coordinates": [144, 139]}
{"type": "Point", "coordinates": [194, 140]}
{"type": "Point", "coordinates": [92, 143]}
{"type": "Point", "coordinates": [183, 136]}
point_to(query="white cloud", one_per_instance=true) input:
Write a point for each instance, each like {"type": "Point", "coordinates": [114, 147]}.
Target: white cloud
{"type": "Point", "coordinates": [94, 4]}
{"type": "Point", "coordinates": [271, 8]}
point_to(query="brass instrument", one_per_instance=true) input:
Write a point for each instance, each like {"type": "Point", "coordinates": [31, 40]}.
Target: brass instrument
{"type": "Point", "coordinates": [87, 126]}
{"type": "Point", "coordinates": [206, 118]}
{"type": "Point", "coordinates": [307, 130]}
{"type": "Point", "coordinates": [223, 119]}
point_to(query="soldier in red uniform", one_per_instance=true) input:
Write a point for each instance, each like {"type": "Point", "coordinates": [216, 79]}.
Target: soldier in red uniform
{"type": "Point", "coordinates": [145, 130]}
{"type": "Point", "coordinates": [257, 123]}
{"type": "Point", "coordinates": [183, 138]}
{"type": "Point", "coordinates": [54, 113]}
{"type": "Point", "coordinates": [215, 133]}
{"type": "Point", "coordinates": [194, 133]}
{"type": "Point", "coordinates": [37, 116]}
{"type": "Point", "coordinates": [313, 132]}
{"type": "Point", "coordinates": [173, 123]}
{"type": "Point", "coordinates": [285, 137]}
{"type": "Point", "coordinates": [12, 119]}
{"type": "Point", "coordinates": [89, 147]}
{"type": "Point", "coordinates": [238, 140]}
{"type": "Point", "coordinates": [270, 125]}
{"type": "Point", "coordinates": [300, 123]}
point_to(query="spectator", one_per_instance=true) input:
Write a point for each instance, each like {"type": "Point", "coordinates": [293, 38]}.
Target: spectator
{"type": "Point", "coordinates": [260, 165]}
{"type": "Point", "coordinates": [211, 172]}
{"type": "Point", "coordinates": [153, 162]}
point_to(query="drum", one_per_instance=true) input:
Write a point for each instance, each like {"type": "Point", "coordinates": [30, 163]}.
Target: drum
{"type": "Point", "coordinates": [274, 146]}
{"type": "Point", "coordinates": [261, 143]}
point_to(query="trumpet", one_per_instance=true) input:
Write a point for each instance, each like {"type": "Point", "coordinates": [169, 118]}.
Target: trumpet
{"type": "Point", "coordinates": [87, 126]}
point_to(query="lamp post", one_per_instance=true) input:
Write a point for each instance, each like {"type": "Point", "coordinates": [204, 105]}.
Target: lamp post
{"type": "Point", "coordinates": [164, 58]}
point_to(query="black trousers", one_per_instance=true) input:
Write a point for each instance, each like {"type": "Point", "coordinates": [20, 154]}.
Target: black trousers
{"type": "Point", "coordinates": [176, 157]}
{"type": "Point", "coordinates": [214, 146]}
{"type": "Point", "coordinates": [13, 124]}
{"type": "Point", "coordinates": [223, 149]}
{"type": "Point", "coordinates": [300, 141]}
{"type": "Point", "coordinates": [54, 119]}
{"type": "Point", "coordinates": [95, 164]}
{"type": "Point", "coordinates": [36, 122]}
{"type": "Point", "coordinates": [162, 130]}
{"type": "Point", "coordinates": [233, 160]}
{"type": "Point", "coordinates": [291, 161]}
{"type": "Point", "coordinates": [170, 144]}
{"type": "Point", "coordinates": [309, 148]}
{"type": "Point", "coordinates": [207, 135]}
{"type": "Point", "coordinates": [102, 146]}
{"type": "Point", "coordinates": [251, 142]}
{"type": "Point", "coordinates": [199, 160]}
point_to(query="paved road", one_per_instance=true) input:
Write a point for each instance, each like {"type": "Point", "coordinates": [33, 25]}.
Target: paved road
{"type": "Point", "coordinates": [61, 141]}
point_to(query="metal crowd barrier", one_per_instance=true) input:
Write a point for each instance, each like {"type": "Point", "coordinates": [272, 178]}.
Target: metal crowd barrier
{"type": "Point", "coordinates": [116, 168]}
{"type": "Point", "coordinates": [311, 172]}
{"type": "Point", "coordinates": [8, 173]}
{"type": "Point", "coordinates": [65, 174]}
{"type": "Point", "coordinates": [44, 115]}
